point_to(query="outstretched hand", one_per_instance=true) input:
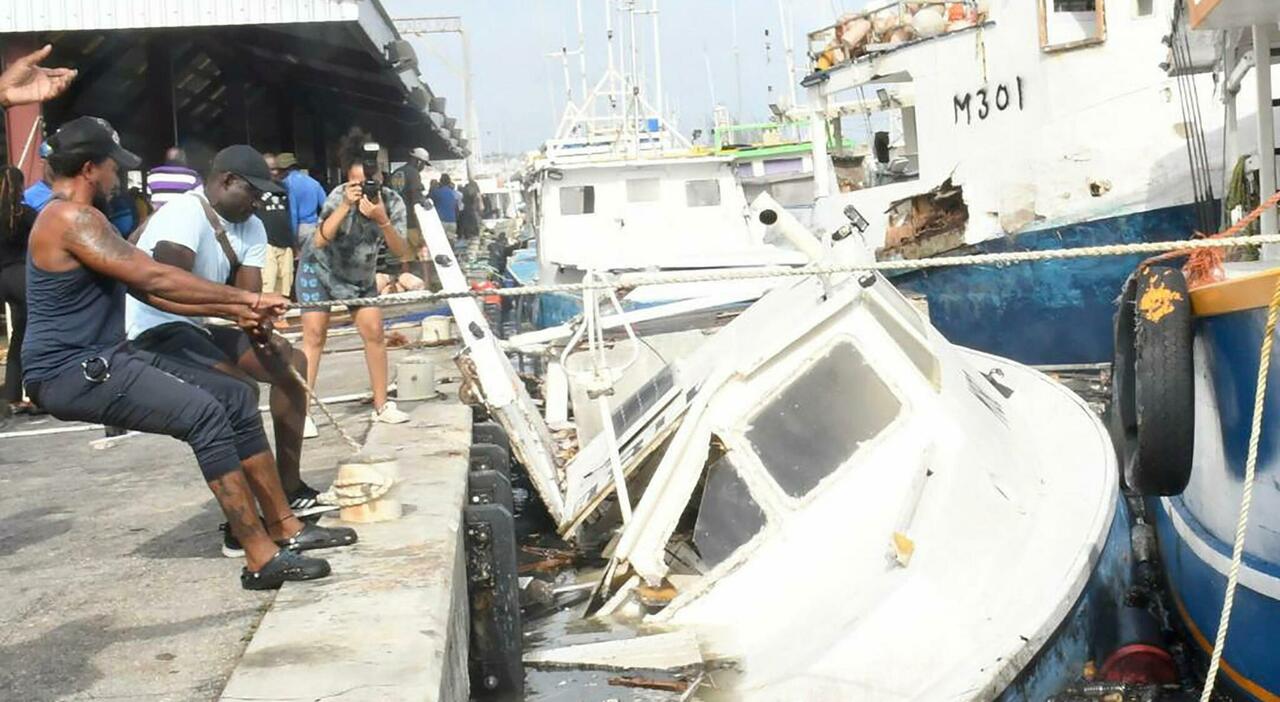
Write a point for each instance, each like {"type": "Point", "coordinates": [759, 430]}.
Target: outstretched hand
{"type": "Point", "coordinates": [26, 81]}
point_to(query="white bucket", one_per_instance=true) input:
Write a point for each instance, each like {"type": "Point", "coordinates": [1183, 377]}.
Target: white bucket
{"type": "Point", "coordinates": [416, 378]}
{"type": "Point", "coordinates": [439, 330]}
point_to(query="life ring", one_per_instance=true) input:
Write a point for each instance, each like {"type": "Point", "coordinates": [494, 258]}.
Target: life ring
{"type": "Point", "coordinates": [1153, 386]}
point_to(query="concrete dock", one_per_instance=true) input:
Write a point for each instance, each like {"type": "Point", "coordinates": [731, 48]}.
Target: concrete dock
{"type": "Point", "coordinates": [115, 587]}
{"type": "Point", "coordinates": [391, 623]}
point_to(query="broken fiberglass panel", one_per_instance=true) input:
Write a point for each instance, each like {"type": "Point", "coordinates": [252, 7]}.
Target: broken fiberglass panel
{"type": "Point", "coordinates": [727, 517]}
{"type": "Point", "coordinates": [818, 421]}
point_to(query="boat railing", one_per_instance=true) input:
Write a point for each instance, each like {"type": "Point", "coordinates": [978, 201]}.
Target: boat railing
{"type": "Point", "coordinates": [760, 134]}
{"type": "Point", "coordinates": [888, 27]}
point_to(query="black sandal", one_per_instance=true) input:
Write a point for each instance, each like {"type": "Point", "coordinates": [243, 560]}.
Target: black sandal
{"type": "Point", "coordinates": [314, 536]}
{"type": "Point", "coordinates": [284, 567]}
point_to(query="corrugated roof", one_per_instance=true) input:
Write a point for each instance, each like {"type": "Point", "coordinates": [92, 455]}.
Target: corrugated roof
{"type": "Point", "coordinates": [34, 16]}
{"type": "Point", "coordinates": [78, 15]}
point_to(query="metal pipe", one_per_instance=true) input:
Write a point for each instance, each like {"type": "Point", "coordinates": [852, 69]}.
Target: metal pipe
{"type": "Point", "coordinates": [1237, 74]}
{"type": "Point", "coordinates": [737, 58]}
{"type": "Point", "coordinates": [582, 53]}
{"type": "Point", "coordinates": [473, 125]}
{"type": "Point", "coordinates": [1266, 134]}
{"type": "Point", "coordinates": [789, 52]}
{"type": "Point", "coordinates": [657, 61]}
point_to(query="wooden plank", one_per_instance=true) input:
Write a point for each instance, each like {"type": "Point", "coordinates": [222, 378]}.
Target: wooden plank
{"type": "Point", "coordinates": [669, 651]}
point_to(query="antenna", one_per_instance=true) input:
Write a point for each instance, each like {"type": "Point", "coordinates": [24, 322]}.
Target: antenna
{"type": "Point", "coordinates": [788, 31]}
{"type": "Point", "coordinates": [582, 52]}
{"type": "Point", "coordinates": [657, 59]}
{"type": "Point", "coordinates": [737, 56]}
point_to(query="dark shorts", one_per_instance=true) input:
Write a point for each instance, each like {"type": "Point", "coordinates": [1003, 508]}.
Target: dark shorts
{"type": "Point", "coordinates": [213, 412]}
{"type": "Point", "coordinates": [204, 346]}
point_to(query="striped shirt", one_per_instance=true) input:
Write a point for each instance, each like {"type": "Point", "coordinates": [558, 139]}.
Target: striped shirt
{"type": "Point", "coordinates": [165, 183]}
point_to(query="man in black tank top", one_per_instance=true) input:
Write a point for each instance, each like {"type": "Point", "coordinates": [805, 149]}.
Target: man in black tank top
{"type": "Point", "coordinates": [79, 367]}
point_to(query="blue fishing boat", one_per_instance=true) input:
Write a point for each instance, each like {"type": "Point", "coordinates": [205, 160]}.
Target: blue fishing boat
{"type": "Point", "coordinates": [986, 140]}
{"type": "Point", "coordinates": [1188, 358]}
{"type": "Point", "coordinates": [1213, 369]}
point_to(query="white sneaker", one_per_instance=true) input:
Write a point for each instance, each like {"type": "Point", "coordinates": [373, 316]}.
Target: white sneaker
{"type": "Point", "coordinates": [390, 414]}
{"type": "Point", "coordinates": [309, 430]}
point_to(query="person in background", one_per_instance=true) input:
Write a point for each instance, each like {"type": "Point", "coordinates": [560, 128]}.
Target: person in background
{"type": "Point", "coordinates": [469, 219]}
{"type": "Point", "coordinates": [282, 246]}
{"type": "Point", "coordinates": [16, 219]}
{"type": "Point", "coordinates": [407, 180]}
{"type": "Point", "coordinates": [445, 198]}
{"type": "Point", "coordinates": [37, 195]}
{"type": "Point", "coordinates": [306, 195]}
{"type": "Point", "coordinates": [172, 179]}
{"type": "Point", "coordinates": [121, 213]}
{"type": "Point", "coordinates": [25, 81]}
{"type": "Point", "coordinates": [340, 262]}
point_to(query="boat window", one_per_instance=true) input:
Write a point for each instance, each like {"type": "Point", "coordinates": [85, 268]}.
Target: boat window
{"type": "Point", "coordinates": [912, 345]}
{"type": "Point", "coordinates": [577, 199]}
{"type": "Point", "coordinates": [1146, 8]}
{"type": "Point", "coordinates": [818, 421]}
{"type": "Point", "coordinates": [702, 193]}
{"type": "Point", "coordinates": [728, 516]}
{"type": "Point", "coordinates": [643, 189]}
{"type": "Point", "coordinates": [1071, 24]}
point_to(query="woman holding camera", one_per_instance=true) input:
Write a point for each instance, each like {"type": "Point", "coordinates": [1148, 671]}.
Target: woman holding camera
{"type": "Point", "coordinates": [340, 261]}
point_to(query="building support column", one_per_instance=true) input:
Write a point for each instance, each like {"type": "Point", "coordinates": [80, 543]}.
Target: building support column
{"type": "Point", "coordinates": [163, 120]}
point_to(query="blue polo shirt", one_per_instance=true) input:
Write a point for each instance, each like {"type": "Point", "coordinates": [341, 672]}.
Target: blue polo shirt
{"type": "Point", "coordinates": [38, 195]}
{"type": "Point", "coordinates": [446, 202]}
{"type": "Point", "coordinates": [305, 198]}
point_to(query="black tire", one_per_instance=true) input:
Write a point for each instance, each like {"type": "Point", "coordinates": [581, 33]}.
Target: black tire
{"type": "Point", "coordinates": [490, 433]}
{"type": "Point", "coordinates": [490, 457]}
{"type": "Point", "coordinates": [1123, 403]}
{"type": "Point", "coordinates": [1163, 385]}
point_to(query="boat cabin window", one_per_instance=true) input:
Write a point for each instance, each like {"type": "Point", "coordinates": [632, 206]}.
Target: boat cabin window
{"type": "Point", "coordinates": [644, 189]}
{"type": "Point", "coordinates": [1072, 24]}
{"type": "Point", "coordinates": [1145, 8]}
{"type": "Point", "coordinates": [577, 199]}
{"type": "Point", "coordinates": [815, 424]}
{"type": "Point", "coordinates": [728, 516]}
{"type": "Point", "coordinates": [702, 193]}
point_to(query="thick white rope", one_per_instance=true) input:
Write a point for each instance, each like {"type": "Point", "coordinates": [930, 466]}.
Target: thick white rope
{"type": "Point", "coordinates": [753, 273]}
{"type": "Point", "coordinates": [1246, 496]}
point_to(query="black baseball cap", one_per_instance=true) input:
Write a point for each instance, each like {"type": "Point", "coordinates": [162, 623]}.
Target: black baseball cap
{"type": "Point", "coordinates": [93, 136]}
{"type": "Point", "coordinates": [245, 161]}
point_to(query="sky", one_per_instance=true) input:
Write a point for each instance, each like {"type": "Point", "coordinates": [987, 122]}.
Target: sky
{"type": "Point", "coordinates": [520, 90]}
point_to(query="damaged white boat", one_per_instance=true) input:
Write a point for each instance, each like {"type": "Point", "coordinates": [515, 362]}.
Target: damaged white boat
{"type": "Point", "coordinates": [840, 504]}
{"type": "Point", "coordinates": [853, 508]}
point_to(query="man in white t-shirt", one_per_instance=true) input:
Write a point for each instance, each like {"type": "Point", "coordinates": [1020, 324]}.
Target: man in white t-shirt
{"type": "Point", "coordinates": [214, 233]}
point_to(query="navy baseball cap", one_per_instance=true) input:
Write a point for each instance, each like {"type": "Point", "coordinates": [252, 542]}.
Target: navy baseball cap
{"type": "Point", "coordinates": [245, 161]}
{"type": "Point", "coordinates": [93, 136]}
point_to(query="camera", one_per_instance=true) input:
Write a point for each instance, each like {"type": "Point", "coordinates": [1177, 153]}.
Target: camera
{"type": "Point", "coordinates": [370, 186]}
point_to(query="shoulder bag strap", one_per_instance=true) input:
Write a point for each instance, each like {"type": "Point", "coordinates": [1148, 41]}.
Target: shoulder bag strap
{"type": "Point", "coordinates": [220, 234]}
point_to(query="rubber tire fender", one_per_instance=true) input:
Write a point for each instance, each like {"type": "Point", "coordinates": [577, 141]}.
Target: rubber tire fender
{"type": "Point", "coordinates": [1161, 407]}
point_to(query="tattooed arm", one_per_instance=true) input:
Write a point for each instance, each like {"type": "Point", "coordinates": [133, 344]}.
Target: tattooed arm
{"type": "Point", "coordinates": [90, 239]}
